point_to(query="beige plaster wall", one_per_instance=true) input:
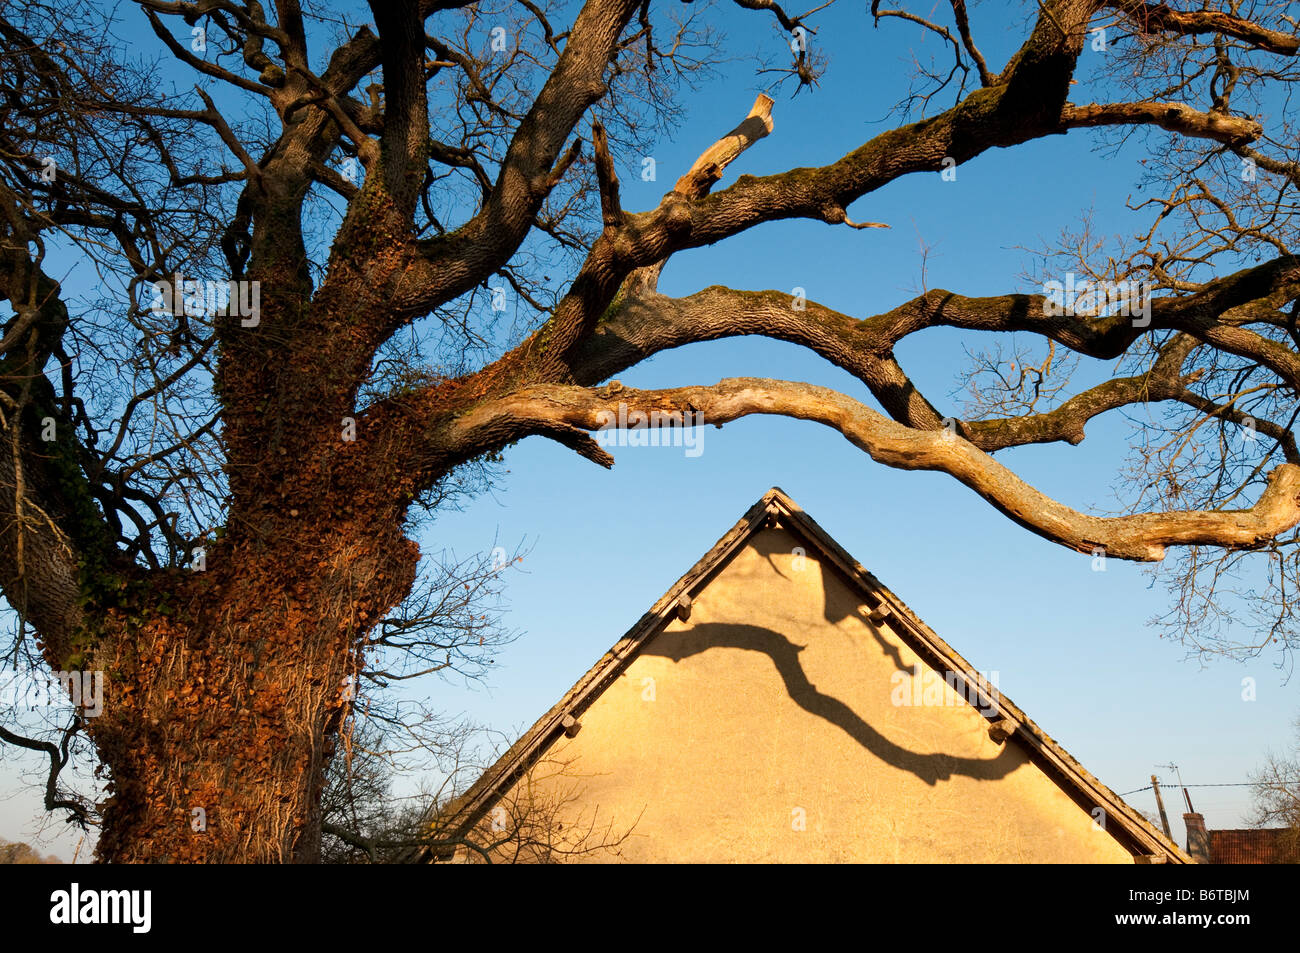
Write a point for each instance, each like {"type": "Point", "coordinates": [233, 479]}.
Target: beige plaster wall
{"type": "Point", "coordinates": [765, 728]}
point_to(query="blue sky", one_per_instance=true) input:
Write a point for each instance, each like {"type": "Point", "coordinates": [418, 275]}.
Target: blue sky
{"type": "Point", "coordinates": [1070, 645]}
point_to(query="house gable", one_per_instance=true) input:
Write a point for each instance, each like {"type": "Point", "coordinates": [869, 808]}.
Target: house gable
{"type": "Point", "coordinates": [778, 704]}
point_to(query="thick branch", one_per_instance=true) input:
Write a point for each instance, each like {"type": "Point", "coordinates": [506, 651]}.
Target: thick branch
{"type": "Point", "coordinates": [1028, 103]}
{"type": "Point", "coordinates": [1141, 537]}
{"type": "Point", "coordinates": [642, 324]}
{"type": "Point", "coordinates": [1161, 18]}
{"type": "Point", "coordinates": [452, 264]}
{"type": "Point", "coordinates": [48, 525]}
{"type": "Point", "coordinates": [1176, 117]}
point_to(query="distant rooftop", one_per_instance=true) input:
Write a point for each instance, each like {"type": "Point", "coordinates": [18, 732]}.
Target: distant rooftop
{"type": "Point", "coordinates": [1260, 845]}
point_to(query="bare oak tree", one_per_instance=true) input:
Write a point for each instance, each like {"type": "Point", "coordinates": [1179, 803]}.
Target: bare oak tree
{"type": "Point", "coordinates": [211, 503]}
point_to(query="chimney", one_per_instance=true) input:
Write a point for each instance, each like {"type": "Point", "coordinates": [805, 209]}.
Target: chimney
{"type": "Point", "coordinates": [1198, 840]}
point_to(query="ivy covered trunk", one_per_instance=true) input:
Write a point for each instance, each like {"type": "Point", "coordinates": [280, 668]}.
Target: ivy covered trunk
{"type": "Point", "coordinates": [224, 691]}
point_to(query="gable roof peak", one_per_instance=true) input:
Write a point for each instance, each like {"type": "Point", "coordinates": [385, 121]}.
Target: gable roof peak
{"type": "Point", "coordinates": [776, 508]}
{"type": "Point", "coordinates": [778, 495]}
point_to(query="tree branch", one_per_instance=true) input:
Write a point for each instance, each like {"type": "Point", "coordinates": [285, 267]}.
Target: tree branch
{"type": "Point", "coordinates": [1176, 117]}
{"type": "Point", "coordinates": [1161, 18]}
{"type": "Point", "coordinates": [1142, 537]}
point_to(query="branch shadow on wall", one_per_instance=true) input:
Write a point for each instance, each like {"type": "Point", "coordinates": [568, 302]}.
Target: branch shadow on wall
{"type": "Point", "coordinates": [834, 610]}
{"type": "Point", "coordinates": [929, 767]}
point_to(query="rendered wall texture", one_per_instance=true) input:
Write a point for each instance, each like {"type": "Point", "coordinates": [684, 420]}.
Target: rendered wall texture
{"type": "Point", "coordinates": [765, 728]}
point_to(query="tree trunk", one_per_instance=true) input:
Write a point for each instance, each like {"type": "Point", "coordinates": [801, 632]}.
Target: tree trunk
{"type": "Point", "coordinates": [224, 694]}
